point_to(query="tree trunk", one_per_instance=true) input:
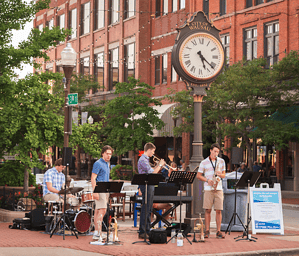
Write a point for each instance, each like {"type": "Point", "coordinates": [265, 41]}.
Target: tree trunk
{"type": "Point", "coordinates": [133, 161]}
{"type": "Point", "coordinates": [26, 179]}
{"type": "Point", "coordinates": [249, 157]}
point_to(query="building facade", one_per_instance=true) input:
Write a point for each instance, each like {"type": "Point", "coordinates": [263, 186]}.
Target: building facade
{"type": "Point", "coordinates": [115, 39]}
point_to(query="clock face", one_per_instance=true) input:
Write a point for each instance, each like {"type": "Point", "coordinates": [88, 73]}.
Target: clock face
{"type": "Point", "coordinates": [201, 56]}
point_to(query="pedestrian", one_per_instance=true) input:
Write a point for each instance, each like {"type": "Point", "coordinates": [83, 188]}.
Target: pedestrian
{"type": "Point", "coordinates": [100, 173]}
{"type": "Point", "coordinates": [144, 167]}
{"type": "Point", "coordinates": [209, 169]}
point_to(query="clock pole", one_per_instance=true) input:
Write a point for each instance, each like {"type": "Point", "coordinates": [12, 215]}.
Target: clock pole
{"type": "Point", "coordinates": [198, 58]}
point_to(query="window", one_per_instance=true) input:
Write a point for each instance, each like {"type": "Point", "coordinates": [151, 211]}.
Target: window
{"type": "Point", "coordinates": [222, 7]}
{"type": "Point", "coordinates": [182, 4]}
{"type": "Point", "coordinates": [257, 2]}
{"type": "Point", "coordinates": [61, 21]}
{"type": "Point", "coordinates": [248, 3]}
{"type": "Point", "coordinates": [73, 23]}
{"type": "Point", "coordinates": [164, 68]}
{"type": "Point", "coordinates": [99, 70]}
{"type": "Point", "coordinates": [174, 5]}
{"type": "Point", "coordinates": [85, 18]}
{"type": "Point", "coordinates": [84, 66]}
{"type": "Point", "coordinates": [99, 16]}
{"type": "Point", "coordinates": [40, 27]}
{"type": "Point", "coordinates": [113, 68]}
{"type": "Point", "coordinates": [158, 8]}
{"type": "Point", "coordinates": [225, 42]}
{"type": "Point", "coordinates": [271, 43]}
{"type": "Point", "coordinates": [51, 24]}
{"type": "Point", "coordinates": [129, 10]}
{"type": "Point", "coordinates": [250, 43]}
{"type": "Point", "coordinates": [173, 75]}
{"type": "Point", "coordinates": [113, 11]}
{"type": "Point", "coordinates": [157, 70]}
{"type": "Point", "coordinates": [205, 7]}
{"type": "Point", "coordinates": [129, 61]}
{"type": "Point", "coordinates": [165, 7]}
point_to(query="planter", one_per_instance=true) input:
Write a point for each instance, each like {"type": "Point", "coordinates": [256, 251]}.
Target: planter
{"type": "Point", "coordinates": [8, 188]}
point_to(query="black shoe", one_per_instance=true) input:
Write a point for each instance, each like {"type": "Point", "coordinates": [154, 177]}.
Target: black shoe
{"type": "Point", "coordinates": [141, 236]}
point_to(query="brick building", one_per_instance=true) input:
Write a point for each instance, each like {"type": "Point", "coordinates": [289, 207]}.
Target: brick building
{"type": "Point", "coordinates": [118, 38]}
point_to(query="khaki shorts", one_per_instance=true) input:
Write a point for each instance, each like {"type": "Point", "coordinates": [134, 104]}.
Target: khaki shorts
{"type": "Point", "coordinates": [52, 197]}
{"type": "Point", "coordinates": [211, 197]}
{"type": "Point", "coordinates": [102, 202]}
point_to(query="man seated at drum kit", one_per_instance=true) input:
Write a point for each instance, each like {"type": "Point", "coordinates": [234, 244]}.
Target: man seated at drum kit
{"type": "Point", "coordinates": [100, 173]}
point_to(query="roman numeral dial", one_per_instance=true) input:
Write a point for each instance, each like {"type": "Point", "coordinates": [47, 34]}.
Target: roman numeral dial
{"type": "Point", "coordinates": [201, 56]}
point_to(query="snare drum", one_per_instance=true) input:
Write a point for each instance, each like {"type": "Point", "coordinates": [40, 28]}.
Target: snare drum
{"type": "Point", "coordinates": [73, 201]}
{"type": "Point", "coordinates": [81, 220]}
{"type": "Point", "coordinates": [87, 197]}
{"type": "Point", "coordinates": [53, 208]}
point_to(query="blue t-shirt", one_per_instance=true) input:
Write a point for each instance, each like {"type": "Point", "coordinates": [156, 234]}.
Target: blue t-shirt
{"type": "Point", "coordinates": [101, 168]}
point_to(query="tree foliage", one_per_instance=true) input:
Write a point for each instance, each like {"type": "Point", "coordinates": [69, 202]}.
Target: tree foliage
{"type": "Point", "coordinates": [28, 112]}
{"type": "Point", "coordinates": [130, 117]}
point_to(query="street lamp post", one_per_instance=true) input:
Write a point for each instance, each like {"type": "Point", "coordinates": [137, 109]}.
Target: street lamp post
{"type": "Point", "coordinates": [89, 163]}
{"type": "Point", "coordinates": [68, 59]}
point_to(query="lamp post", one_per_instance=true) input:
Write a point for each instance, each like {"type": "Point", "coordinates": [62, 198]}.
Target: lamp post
{"type": "Point", "coordinates": [68, 59]}
{"type": "Point", "coordinates": [90, 121]}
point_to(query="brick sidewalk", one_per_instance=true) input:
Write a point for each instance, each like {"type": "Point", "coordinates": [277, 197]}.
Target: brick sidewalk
{"type": "Point", "coordinates": [127, 235]}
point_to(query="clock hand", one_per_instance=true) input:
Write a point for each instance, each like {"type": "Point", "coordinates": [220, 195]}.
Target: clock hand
{"type": "Point", "coordinates": [202, 59]}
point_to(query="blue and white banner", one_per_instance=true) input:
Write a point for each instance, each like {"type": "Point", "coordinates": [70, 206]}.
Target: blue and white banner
{"type": "Point", "coordinates": [266, 210]}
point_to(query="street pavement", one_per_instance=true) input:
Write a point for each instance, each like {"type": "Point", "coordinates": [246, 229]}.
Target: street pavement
{"type": "Point", "coordinates": [15, 242]}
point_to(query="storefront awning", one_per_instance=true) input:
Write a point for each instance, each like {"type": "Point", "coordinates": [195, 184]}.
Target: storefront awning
{"type": "Point", "coordinates": [164, 114]}
{"type": "Point", "coordinates": [291, 115]}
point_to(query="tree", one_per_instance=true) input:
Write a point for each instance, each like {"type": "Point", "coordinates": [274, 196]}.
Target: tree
{"type": "Point", "coordinates": [130, 117]}
{"type": "Point", "coordinates": [28, 112]}
{"type": "Point", "coordinates": [243, 98]}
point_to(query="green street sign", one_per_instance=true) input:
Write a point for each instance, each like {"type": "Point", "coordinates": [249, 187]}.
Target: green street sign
{"type": "Point", "coordinates": [72, 99]}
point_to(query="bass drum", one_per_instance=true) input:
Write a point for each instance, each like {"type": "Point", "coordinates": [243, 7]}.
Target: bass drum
{"type": "Point", "coordinates": [81, 220]}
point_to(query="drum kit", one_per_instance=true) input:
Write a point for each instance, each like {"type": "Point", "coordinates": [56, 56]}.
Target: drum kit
{"type": "Point", "coordinates": [79, 211]}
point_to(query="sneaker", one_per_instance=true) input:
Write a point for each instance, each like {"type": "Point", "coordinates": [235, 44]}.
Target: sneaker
{"type": "Point", "coordinates": [207, 233]}
{"type": "Point", "coordinates": [219, 235]}
{"type": "Point", "coordinates": [96, 235]}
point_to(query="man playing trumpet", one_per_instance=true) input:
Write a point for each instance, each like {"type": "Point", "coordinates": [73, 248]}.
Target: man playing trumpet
{"type": "Point", "coordinates": [144, 167]}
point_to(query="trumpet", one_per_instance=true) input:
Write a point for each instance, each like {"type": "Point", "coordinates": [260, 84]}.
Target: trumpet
{"type": "Point", "coordinates": [157, 160]}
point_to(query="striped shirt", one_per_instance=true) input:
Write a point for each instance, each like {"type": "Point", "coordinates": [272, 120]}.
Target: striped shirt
{"type": "Point", "coordinates": [207, 169]}
{"type": "Point", "coordinates": [56, 178]}
{"type": "Point", "coordinates": [144, 165]}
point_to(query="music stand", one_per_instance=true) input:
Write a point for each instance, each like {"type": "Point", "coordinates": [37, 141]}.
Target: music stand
{"type": "Point", "coordinates": [107, 187]}
{"type": "Point", "coordinates": [146, 179]}
{"type": "Point", "coordinates": [181, 178]}
{"type": "Point", "coordinates": [61, 220]}
{"type": "Point", "coordinates": [235, 214]}
{"type": "Point", "coordinates": [248, 179]}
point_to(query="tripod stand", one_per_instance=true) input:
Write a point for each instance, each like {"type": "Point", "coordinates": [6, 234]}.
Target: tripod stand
{"type": "Point", "coordinates": [249, 179]}
{"type": "Point", "coordinates": [146, 179]}
{"type": "Point", "coordinates": [64, 219]}
{"type": "Point", "coordinates": [107, 187]}
{"type": "Point", "coordinates": [235, 214]}
{"type": "Point", "coordinates": [181, 178]}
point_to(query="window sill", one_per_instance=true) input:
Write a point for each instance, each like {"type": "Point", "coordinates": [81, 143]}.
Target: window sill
{"type": "Point", "coordinates": [99, 29]}
{"type": "Point", "coordinates": [87, 34]}
{"type": "Point", "coordinates": [130, 18]}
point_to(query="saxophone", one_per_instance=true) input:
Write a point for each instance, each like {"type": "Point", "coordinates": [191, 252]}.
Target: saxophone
{"type": "Point", "coordinates": [215, 179]}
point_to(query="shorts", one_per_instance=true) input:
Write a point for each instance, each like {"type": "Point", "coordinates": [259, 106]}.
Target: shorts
{"type": "Point", "coordinates": [213, 198]}
{"type": "Point", "coordinates": [102, 202]}
{"type": "Point", "coordinates": [52, 197]}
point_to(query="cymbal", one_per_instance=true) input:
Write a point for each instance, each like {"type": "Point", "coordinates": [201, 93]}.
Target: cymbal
{"type": "Point", "coordinates": [72, 190]}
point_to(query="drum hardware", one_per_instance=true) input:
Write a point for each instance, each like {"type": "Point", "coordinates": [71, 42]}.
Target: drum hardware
{"type": "Point", "coordinates": [53, 208]}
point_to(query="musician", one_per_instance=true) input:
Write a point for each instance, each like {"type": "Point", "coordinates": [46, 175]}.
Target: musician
{"type": "Point", "coordinates": [100, 173]}
{"type": "Point", "coordinates": [144, 167]}
{"type": "Point", "coordinates": [53, 182]}
{"type": "Point", "coordinates": [212, 165]}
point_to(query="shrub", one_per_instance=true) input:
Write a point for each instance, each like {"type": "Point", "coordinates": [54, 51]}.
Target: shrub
{"type": "Point", "coordinates": [122, 172]}
{"type": "Point", "coordinates": [12, 174]}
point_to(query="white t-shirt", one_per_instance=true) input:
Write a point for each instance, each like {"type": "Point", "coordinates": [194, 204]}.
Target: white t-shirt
{"type": "Point", "coordinates": [207, 169]}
